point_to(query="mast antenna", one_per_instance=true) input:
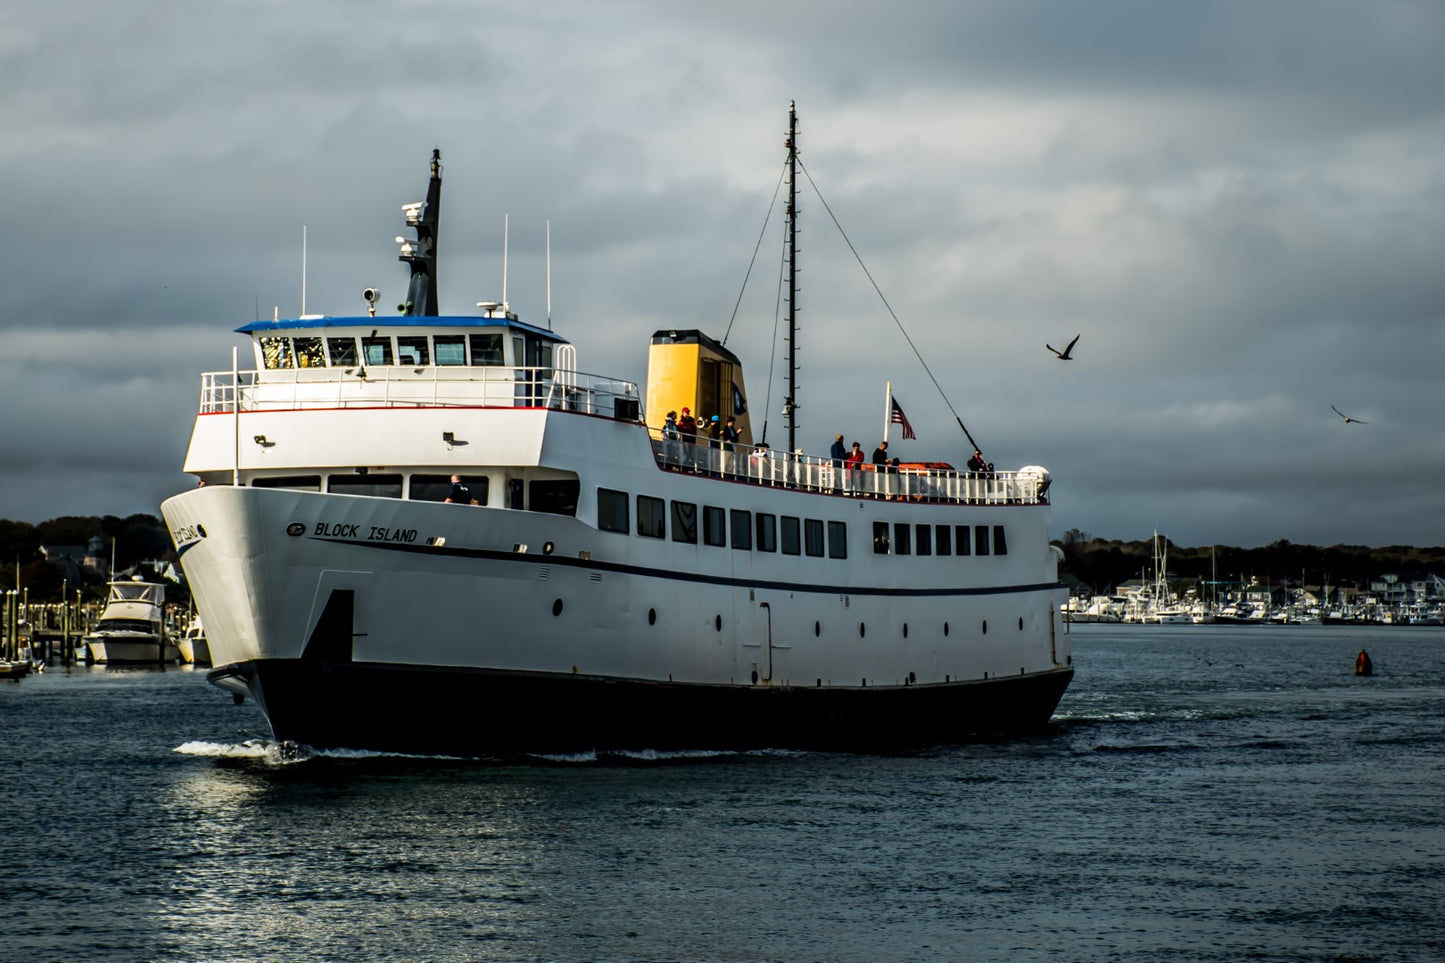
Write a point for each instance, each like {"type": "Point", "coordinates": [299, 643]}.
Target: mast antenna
{"type": "Point", "coordinates": [549, 274]}
{"type": "Point", "coordinates": [790, 403]}
{"type": "Point", "coordinates": [303, 270]}
{"type": "Point", "coordinates": [506, 234]}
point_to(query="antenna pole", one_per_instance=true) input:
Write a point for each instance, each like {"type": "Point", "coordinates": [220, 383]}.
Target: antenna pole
{"type": "Point", "coordinates": [303, 270]}
{"type": "Point", "coordinates": [790, 403]}
{"type": "Point", "coordinates": [549, 274]}
{"type": "Point", "coordinates": [506, 233]}
{"type": "Point", "coordinates": [887, 411]}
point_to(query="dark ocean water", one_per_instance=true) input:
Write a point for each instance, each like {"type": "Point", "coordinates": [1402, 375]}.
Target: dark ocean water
{"type": "Point", "coordinates": [1206, 793]}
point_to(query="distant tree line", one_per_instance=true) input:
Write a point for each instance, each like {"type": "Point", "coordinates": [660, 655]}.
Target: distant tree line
{"type": "Point", "coordinates": [136, 538]}
{"type": "Point", "coordinates": [1100, 564]}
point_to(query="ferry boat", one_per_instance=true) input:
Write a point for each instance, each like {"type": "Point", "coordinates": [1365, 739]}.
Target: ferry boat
{"type": "Point", "coordinates": [436, 533]}
{"type": "Point", "coordinates": [131, 629]}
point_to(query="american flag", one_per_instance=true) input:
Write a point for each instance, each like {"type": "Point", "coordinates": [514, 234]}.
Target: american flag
{"type": "Point", "coordinates": [899, 418]}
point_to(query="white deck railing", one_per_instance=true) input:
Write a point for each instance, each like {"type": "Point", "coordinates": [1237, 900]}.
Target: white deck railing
{"type": "Point", "coordinates": [405, 387]}
{"type": "Point", "coordinates": [767, 466]}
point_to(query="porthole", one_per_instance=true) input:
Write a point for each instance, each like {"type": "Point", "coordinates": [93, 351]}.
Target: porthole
{"type": "Point", "coordinates": [862, 630]}
{"type": "Point", "coordinates": [717, 622]}
{"type": "Point", "coordinates": [985, 626]}
{"type": "Point", "coordinates": [556, 606]}
{"type": "Point", "coordinates": [652, 616]}
{"type": "Point", "coordinates": [817, 630]}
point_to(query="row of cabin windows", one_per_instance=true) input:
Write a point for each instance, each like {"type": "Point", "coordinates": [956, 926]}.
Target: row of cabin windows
{"type": "Point", "coordinates": [554, 496]}
{"type": "Point", "coordinates": [743, 530]}
{"type": "Point", "coordinates": [486, 349]}
{"type": "Point", "coordinates": [926, 539]}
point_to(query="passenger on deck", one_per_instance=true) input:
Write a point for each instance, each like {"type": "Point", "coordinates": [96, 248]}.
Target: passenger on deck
{"type": "Point", "coordinates": [838, 453]}
{"type": "Point", "coordinates": [670, 435]}
{"type": "Point", "coordinates": [460, 494]}
{"type": "Point", "coordinates": [855, 466]}
{"type": "Point", "coordinates": [730, 439]}
{"type": "Point", "coordinates": [687, 428]}
{"type": "Point", "coordinates": [976, 463]}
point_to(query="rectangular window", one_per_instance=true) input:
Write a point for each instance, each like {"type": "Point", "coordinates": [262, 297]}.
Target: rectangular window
{"type": "Point", "coordinates": [301, 483]}
{"type": "Point", "coordinates": [923, 539]}
{"type": "Point", "coordinates": [980, 539]}
{"type": "Point", "coordinates": [436, 488]}
{"type": "Point", "coordinates": [792, 540]}
{"type": "Point", "coordinates": [342, 351]}
{"type": "Point", "coordinates": [374, 484]}
{"type": "Point", "coordinates": [742, 530]}
{"type": "Point", "coordinates": [276, 353]}
{"type": "Point", "coordinates": [411, 349]}
{"type": "Point", "coordinates": [813, 537]}
{"type": "Point", "coordinates": [901, 531]}
{"type": "Point", "coordinates": [376, 350]}
{"type": "Point", "coordinates": [684, 522]}
{"type": "Point", "coordinates": [714, 525]}
{"type": "Point", "coordinates": [486, 348]}
{"type": "Point", "coordinates": [962, 539]}
{"type": "Point", "coordinates": [612, 511]}
{"type": "Point", "coordinates": [309, 353]}
{"type": "Point", "coordinates": [880, 538]}
{"type": "Point", "coordinates": [555, 496]}
{"type": "Point", "coordinates": [451, 349]}
{"type": "Point", "coordinates": [767, 532]}
{"type": "Point", "coordinates": [1000, 544]}
{"type": "Point", "coordinates": [651, 517]}
{"type": "Point", "coordinates": [942, 541]}
{"type": "Point", "coordinates": [837, 539]}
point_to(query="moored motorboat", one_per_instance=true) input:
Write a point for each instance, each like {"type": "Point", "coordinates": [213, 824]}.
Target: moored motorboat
{"type": "Point", "coordinates": [436, 533]}
{"type": "Point", "coordinates": [131, 629]}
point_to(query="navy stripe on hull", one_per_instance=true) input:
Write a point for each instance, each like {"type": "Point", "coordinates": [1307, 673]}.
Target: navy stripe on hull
{"type": "Point", "coordinates": [480, 712]}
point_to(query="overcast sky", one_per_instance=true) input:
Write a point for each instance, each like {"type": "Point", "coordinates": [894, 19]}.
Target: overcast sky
{"type": "Point", "coordinates": [1239, 207]}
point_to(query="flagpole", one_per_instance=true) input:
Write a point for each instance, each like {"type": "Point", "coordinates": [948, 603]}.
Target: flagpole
{"type": "Point", "coordinates": [887, 412]}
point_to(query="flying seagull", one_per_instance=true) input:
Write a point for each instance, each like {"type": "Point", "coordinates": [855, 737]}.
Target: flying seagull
{"type": "Point", "coordinates": [1067, 353]}
{"type": "Point", "coordinates": [1348, 419]}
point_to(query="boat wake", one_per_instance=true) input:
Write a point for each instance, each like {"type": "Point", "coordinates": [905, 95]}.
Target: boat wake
{"type": "Point", "coordinates": [289, 753]}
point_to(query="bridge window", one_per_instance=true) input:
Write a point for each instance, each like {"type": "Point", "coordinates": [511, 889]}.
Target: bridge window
{"type": "Point", "coordinates": [486, 348]}
{"type": "Point", "coordinates": [684, 522]}
{"type": "Point", "coordinates": [342, 351]}
{"type": "Point", "coordinates": [555, 496]}
{"type": "Point", "coordinates": [276, 353]}
{"type": "Point", "coordinates": [435, 488]}
{"type": "Point", "coordinates": [412, 350]}
{"type": "Point", "coordinates": [714, 526]}
{"type": "Point", "coordinates": [450, 349]}
{"type": "Point", "coordinates": [1000, 544]}
{"type": "Point", "coordinates": [837, 539]}
{"type": "Point", "coordinates": [792, 542]}
{"type": "Point", "coordinates": [376, 350]}
{"type": "Point", "coordinates": [612, 511]}
{"type": "Point", "coordinates": [651, 517]}
{"type": "Point", "coordinates": [742, 529]}
{"type": "Point", "coordinates": [309, 353]}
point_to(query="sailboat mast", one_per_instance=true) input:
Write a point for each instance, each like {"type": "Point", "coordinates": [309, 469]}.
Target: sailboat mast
{"type": "Point", "coordinates": [790, 404]}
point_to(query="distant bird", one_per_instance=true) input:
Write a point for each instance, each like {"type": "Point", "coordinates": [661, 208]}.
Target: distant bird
{"type": "Point", "coordinates": [1348, 419]}
{"type": "Point", "coordinates": [1067, 353]}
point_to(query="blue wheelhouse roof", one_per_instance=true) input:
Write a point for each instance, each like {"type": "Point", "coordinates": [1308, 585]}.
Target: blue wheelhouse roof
{"type": "Point", "coordinates": [402, 321]}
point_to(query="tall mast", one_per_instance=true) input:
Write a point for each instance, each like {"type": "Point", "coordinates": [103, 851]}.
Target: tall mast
{"type": "Point", "coordinates": [790, 403]}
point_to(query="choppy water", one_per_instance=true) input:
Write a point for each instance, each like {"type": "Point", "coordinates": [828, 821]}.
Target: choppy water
{"type": "Point", "coordinates": [1206, 794]}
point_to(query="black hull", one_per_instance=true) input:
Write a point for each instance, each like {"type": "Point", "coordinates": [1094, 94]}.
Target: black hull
{"type": "Point", "coordinates": [488, 713]}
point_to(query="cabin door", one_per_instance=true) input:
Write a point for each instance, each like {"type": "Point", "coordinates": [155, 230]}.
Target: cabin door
{"type": "Point", "coordinates": [766, 665]}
